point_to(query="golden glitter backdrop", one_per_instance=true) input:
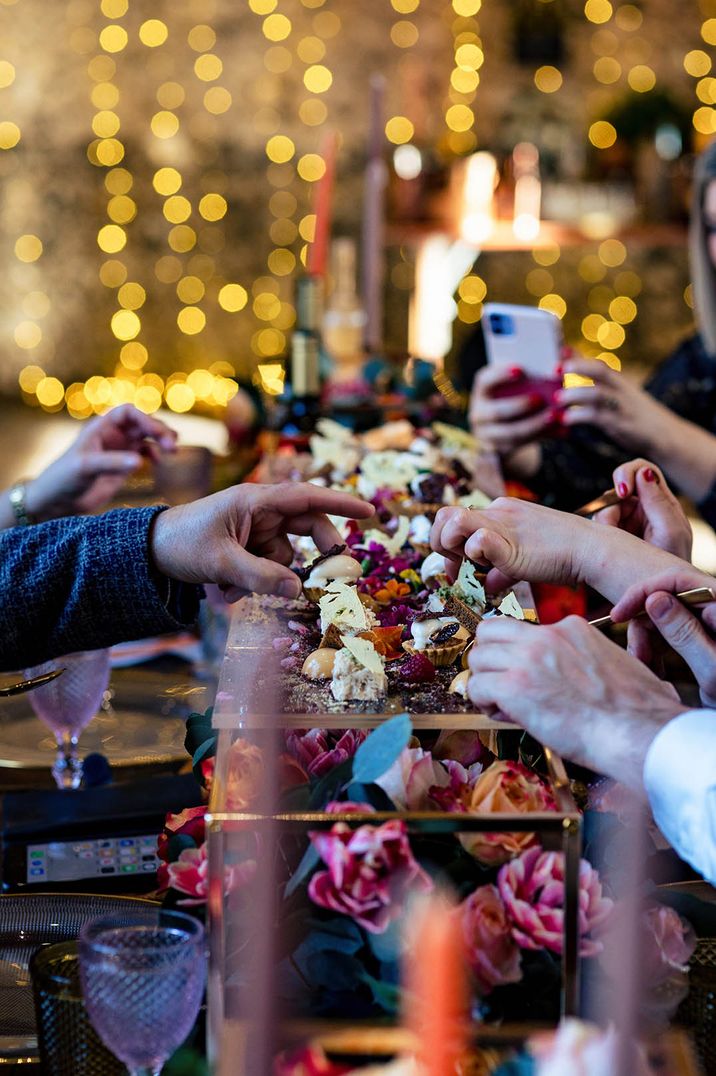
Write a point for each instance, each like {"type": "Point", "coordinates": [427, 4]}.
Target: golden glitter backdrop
{"type": "Point", "coordinates": [157, 161]}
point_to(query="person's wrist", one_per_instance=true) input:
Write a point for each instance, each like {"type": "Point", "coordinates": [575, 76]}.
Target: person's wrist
{"type": "Point", "coordinates": [622, 751]}
{"type": "Point", "coordinates": [161, 542]}
{"type": "Point", "coordinates": [664, 437]}
{"type": "Point", "coordinates": [35, 500]}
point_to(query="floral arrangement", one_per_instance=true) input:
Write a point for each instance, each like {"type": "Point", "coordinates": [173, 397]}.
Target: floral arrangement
{"type": "Point", "coordinates": [346, 892]}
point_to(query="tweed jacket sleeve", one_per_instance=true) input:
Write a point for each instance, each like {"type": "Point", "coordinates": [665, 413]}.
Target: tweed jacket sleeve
{"type": "Point", "coordinates": [82, 583]}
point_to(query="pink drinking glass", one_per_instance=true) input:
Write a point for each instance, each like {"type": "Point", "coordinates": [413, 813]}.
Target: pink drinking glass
{"type": "Point", "coordinates": [68, 704]}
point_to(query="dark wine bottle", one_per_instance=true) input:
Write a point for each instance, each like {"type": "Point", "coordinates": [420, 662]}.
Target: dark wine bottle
{"type": "Point", "coordinates": [300, 405]}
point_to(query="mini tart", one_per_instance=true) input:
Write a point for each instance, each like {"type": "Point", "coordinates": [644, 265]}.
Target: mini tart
{"type": "Point", "coordinates": [441, 655]}
{"type": "Point", "coordinates": [314, 591]}
{"type": "Point", "coordinates": [440, 652]}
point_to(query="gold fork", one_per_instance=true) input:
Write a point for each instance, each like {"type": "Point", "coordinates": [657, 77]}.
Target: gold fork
{"type": "Point", "coordinates": [27, 685]}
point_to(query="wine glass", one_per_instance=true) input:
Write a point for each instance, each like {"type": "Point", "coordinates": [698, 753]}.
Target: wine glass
{"type": "Point", "coordinates": [143, 984]}
{"type": "Point", "coordinates": [68, 704]}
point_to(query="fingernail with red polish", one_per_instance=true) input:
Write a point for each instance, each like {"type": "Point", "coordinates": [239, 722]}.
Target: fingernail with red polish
{"type": "Point", "coordinates": [559, 370]}
{"type": "Point", "coordinates": [649, 475]}
{"type": "Point", "coordinates": [556, 416]}
{"type": "Point", "coordinates": [516, 372]}
{"type": "Point", "coordinates": [622, 489]}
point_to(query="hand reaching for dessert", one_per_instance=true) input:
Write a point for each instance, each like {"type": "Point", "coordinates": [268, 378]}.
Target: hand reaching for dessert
{"type": "Point", "coordinates": [520, 540]}
{"type": "Point", "coordinates": [679, 627]}
{"type": "Point", "coordinates": [239, 538]}
{"type": "Point", "coordinates": [648, 509]}
{"type": "Point", "coordinates": [541, 676]}
{"type": "Point", "coordinates": [97, 463]}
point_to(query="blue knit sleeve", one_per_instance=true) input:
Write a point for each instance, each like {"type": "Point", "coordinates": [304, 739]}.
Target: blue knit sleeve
{"type": "Point", "coordinates": [82, 583]}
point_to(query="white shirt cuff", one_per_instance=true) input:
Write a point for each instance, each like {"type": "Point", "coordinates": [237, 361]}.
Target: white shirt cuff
{"type": "Point", "coordinates": [680, 781]}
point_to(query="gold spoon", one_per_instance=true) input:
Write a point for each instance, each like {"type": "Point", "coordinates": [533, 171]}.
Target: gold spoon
{"type": "Point", "coordinates": [27, 685]}
{"type": "Point", "coordinates": [691, 598]}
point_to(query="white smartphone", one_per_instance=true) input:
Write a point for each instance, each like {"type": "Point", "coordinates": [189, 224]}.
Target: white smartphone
{"type": "Point", "coordinates": [523, 336]}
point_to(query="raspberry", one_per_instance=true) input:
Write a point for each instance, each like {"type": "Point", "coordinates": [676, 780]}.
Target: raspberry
{"type": "Point", "coordinates": [418, 670]}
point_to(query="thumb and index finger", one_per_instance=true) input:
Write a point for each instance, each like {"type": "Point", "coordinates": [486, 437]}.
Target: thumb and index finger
{"type": "Point", "coordinates": [685, 634]}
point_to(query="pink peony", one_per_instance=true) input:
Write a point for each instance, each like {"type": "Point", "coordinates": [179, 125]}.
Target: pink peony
{"type": "Point", "coordinates": [504, 788]}
{"type": "Point", "coordinates": [532, 888]}
{"type": "Point", "coordinates": [370, 872]}
{"type": "Point", "coordinates": [244, 775]}
{"type": "Point", "coordinates": [492, 952]}
{"type": "Point", "coordinates": [319, 750]}
{"type": "Point", "coordinates": [190, 874]}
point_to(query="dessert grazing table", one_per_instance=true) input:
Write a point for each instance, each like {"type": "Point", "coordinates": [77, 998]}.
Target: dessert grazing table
{"type": "Point", "coordinates": [384, 763]}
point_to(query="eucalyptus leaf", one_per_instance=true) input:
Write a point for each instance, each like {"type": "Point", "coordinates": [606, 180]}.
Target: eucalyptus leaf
{"type": "Point", "coordinates": [386, 946]}
{"type": "Point", "coordinates": [206, 750]}
{"type": "Point", "coordinates": [379, 751]}
{"type": "Point", "coordinates": [309, 862]}
{"type": "Point", "coordinates": [373, 795]}
{"type": "Point", "coordinates": [386, 995]}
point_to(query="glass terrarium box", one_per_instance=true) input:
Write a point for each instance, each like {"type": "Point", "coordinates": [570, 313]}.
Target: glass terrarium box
{"type": "Point", "coordinates": [330, 819]}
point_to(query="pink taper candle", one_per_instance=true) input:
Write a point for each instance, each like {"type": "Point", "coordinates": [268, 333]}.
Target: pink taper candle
{"type": "Point", "coordinates": [318, 250]}
{"type": "Point", "coordinates": [375, 183]}
{"type": "Point", "coordinates": [436, 986]}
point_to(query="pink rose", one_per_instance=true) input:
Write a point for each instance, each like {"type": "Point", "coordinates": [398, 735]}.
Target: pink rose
{"type": "Point", "coordinates": [319, 750]}
{"type": "Point", "coordinates": [190, 874]}
{"type": "Point", "coordinates": [492, 953]}
{"type": "Point", "coordinates": [669, 945]}
{"type": "Point", "coordinates": [290, 772]}
{"type": "Point", "coordinates": [532, 888]}
{"type": "Point", "coordinates": [410, 778]}
{"type": "Point", "coordinates": [462, 745]}
{"type": "Point", "coordinates": [245, 775]}
{"type": "Point", "coordinates": [417, 782]}
{"type": "Point", "coordinates": [370, 872]}
{"type": "Point", "coordinates": [504, 788]}
{"type": "Point", "coordinates": [189, 823]}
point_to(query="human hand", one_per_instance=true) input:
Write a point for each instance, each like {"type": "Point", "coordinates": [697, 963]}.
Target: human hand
{"type": "Point", "coordinates": [504, 424]}
{"type": "Point", "coordinates": [516, 539]}
{"type": "Point", "coordinates": [96, 464]}
{"type": "Point", "coordinates": [689, 637]}
{"type": "Point", "coordinates": [622, 410]}
{"type": "Point", "coordinates": [574, 690]}
{"type": "Point", "coordinates": [648, 509]}
{"type": "Point", "coordinates": [239, 538]}
{"type": "Point", "coordinates": [521, 540]}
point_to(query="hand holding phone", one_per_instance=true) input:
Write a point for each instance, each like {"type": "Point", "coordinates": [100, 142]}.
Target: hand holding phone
{"type": "Point", "coordinates": [516, 393]}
